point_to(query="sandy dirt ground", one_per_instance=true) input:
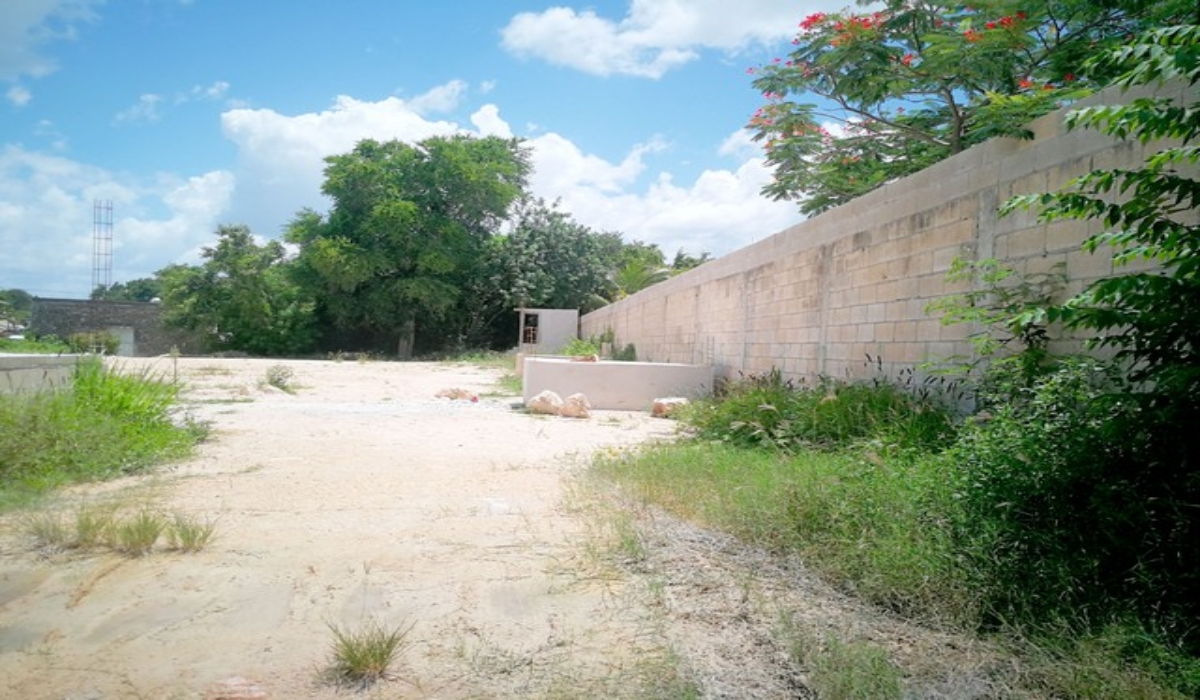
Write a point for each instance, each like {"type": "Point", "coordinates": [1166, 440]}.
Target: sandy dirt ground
{"type": "Point", "coordinates": [363, 498]}
{"type": "Point", "coordinates": [360, 497]}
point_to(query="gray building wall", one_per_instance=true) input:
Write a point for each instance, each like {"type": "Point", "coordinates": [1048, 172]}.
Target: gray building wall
{"type": "Point", "coordinates": [137, 324]}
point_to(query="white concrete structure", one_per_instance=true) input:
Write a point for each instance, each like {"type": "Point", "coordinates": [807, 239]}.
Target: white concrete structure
{"type": "Point", "coordinates": [624, 386]}
{"type": "Point", "coordinates": [546, 331]}
{"type": "Point", "coordinates": [21, 373]}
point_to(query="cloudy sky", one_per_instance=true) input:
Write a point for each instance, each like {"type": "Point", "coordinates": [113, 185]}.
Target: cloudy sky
{"type": "Point", "coordinates": [187, 114]}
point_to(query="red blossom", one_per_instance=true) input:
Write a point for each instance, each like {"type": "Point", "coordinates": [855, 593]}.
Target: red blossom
{"type": "Point", "coordinates": [1021, 15]}
{"type": "Point", "coordinates": [908, 59]}
{"type": "Point", "coordinates": [1025, 83]}
{"type": "Point", "coordinates": [990, 25]}
{"type": "Point", "coordinates": [971, 35]}
{"type": "Point", "coordinates": [1007, 22]}
{"type": "Point", "coordinates": [811, 21]}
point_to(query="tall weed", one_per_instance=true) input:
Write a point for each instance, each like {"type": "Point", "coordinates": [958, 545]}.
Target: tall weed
{"type": "Point", "coordinates": [107, 424]}
{"type": "Point", "coordinates": [768, 411]}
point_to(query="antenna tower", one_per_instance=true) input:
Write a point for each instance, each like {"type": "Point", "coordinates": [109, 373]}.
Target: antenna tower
{"type": "Point", "coordinates": [102, 244]}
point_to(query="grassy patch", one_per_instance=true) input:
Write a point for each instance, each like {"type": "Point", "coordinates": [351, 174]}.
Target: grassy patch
{"type": "Point", "coordinates": [361, 657]}
{"type": "Point", "coordinates": [865, 523]}
{"type": "Point", "coordinates": [188, 533]}
{"type": "Point", "coordinates": [136, 536]}
{"type": "Point", "coordinates": [108, 424]}
{"type": "Point", "coordinates": [48, 345]}
{"type": "Point", "coordinates": [89, 528]}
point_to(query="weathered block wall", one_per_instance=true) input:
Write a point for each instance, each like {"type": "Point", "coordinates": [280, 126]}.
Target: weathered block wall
{"type": "Point", "coordinates": [820, 297]}
{"type": "Point", "coordinates": [62, 317]}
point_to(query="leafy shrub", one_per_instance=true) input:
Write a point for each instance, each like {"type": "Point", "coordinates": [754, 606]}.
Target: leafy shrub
{"type": "Point", "coordinates": [109, 423]}
{"type": "Point", "coordinates": [100, 342]}
{"type": "Point", "coordinates": [767, 411]}
{"type": "Point", "coordinates": [1076, 501]}
{"type": "Point", "coordinates": [578, 347]}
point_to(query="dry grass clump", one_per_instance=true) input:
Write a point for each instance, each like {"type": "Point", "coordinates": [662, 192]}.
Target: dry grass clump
{"type": "Point", "coordinates": [95, 527]}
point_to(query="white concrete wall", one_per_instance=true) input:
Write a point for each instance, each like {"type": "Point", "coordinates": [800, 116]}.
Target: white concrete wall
{"type": "Point", "coordinates": [32, 373]}
{"type": "Point", "coordinates": [626, 386]}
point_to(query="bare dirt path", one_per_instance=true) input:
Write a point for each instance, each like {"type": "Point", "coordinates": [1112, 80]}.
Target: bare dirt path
{"type": "Point", "coordinates": [360, 497]}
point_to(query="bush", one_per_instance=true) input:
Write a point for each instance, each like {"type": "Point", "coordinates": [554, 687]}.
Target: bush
{"type": "Point", "coordinates": [767, 411]}
{"type": "Point", "coordinates": [98, 342]}
{"type": "Point", "coordinates": [1079, 504]}
{"type": "Point", "coordinates": [109, 423]}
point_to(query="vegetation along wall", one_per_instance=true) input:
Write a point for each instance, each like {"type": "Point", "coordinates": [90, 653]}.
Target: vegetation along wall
{"type": "Point", "coordinates": [818, 298]}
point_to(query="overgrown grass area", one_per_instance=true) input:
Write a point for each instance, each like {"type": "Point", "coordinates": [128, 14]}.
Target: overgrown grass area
{"type": "Point", "coordinates": [48, 345]}
{"type": "Point", "coordinates": [108, 423]}
{"type": "Point", "coordinates": [1027, 523]}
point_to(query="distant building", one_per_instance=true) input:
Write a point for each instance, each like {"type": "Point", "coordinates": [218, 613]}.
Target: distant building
{"type": "Point", "coordinates": [137, 324]}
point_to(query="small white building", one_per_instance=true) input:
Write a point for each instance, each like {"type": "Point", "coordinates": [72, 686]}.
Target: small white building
{"type": "Point", "coordinates": [546, 331]}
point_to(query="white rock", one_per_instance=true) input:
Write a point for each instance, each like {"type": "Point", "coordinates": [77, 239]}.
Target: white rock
{"type": "Point", "coordinates": [663, 408]}
{"type": "Point", "coordinates": [547, 402]}
{"type": "Point", "coordinates": [576, 406]}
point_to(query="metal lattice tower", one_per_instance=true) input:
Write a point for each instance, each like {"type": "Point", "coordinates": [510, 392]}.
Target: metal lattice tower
{"type": "Point", "coordinates": [102, 244]}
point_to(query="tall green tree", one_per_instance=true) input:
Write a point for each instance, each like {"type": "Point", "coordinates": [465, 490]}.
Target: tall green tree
{"type": "Point", "coordinates": [140, 289]}
{"type": "Point", "coordinates": [408, 231]}
{"type": "Point", "coordinates": [917, 81]}
{"type": "Point", "coordinates": [242, 297]}
{"type": "Point", "coordinates": [548, 260]}
{"type": "Point", "coordinates": [15, 305]}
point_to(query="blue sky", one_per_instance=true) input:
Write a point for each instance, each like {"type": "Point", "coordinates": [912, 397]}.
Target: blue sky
{"type": "Point", "coordinates": [188, 114]}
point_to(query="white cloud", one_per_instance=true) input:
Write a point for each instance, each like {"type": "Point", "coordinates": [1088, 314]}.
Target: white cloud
{"type": "Point", "coordinates": [719, 212]}
{"type": "Point", "coordinates": [281, 171]}
{"type": "Point", "coordinates": [442, 98]}
{"type": "Point", "coordinates": [26, 25]}
{"type": "Point", "coordinates": [487, 122]}
{"type": "Point", "coordinates": [146, 109]}
{"type": "Point", "coordinates": [46, 220]}
{"type": "Point", "coordinates": [654, 37]}
{"type": "Point", "coordinates": [19, 95]}
{"type": "Point", "coordinates": [200, 92]}
{"type": "Point", "coordinates": [281, 158]}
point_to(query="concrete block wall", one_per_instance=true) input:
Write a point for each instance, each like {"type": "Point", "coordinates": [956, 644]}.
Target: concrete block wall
{"type": "Point", "coordinates": [28, 374]}
{"type": "Point", "coordinates": [62, 317]}
{"type": "Point", "coordinates": [853, 282]}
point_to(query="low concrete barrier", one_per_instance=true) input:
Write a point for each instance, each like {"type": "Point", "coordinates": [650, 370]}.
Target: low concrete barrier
{"type": "Point", "coordinates": [621, 386]}
{"type": "Point", "coordinates": [30, 373]}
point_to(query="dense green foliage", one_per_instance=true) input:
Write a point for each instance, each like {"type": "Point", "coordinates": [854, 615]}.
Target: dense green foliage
{"type": "Point", "coordinates": [45, 345]}
{"type": "Point", "coordinates": [108, 423]}
{"type": "Point", "coordinates": [769, 411]}
{"type": "Point", "coordinates": [912, 83]}
{"type": "Point", "coordinates": [15, 305]}
{"type": "Point", "coordinates": [409, 229]}
{"type": "Point", "coordinates": [242, 297]}
{"type": "Point", "coordinates": [141, 289]}
{"type": "Point", "coordinates": [429, 248]}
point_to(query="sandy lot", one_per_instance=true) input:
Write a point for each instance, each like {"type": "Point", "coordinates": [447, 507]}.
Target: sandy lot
{"type": "Point", "coordinates": [361, 497]}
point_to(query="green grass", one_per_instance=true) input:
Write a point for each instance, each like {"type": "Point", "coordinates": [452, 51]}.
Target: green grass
{"type": "Point", "coordinates": [188, 533]}
{"type": "Point", "coordinates": [865, 523]}
{"type": "Point", "coordinates": [90, 527]}
{"type": "Point", "coordinates": [879, 492]}
{"type": "Point", "coordinates": [137, 535]}
{"type": "Point", "coordinates": [48, 345]}
{"type": "Point", "coordinates": [109, 423]}
{"type": "Point", "coordinates": [361, 657]}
